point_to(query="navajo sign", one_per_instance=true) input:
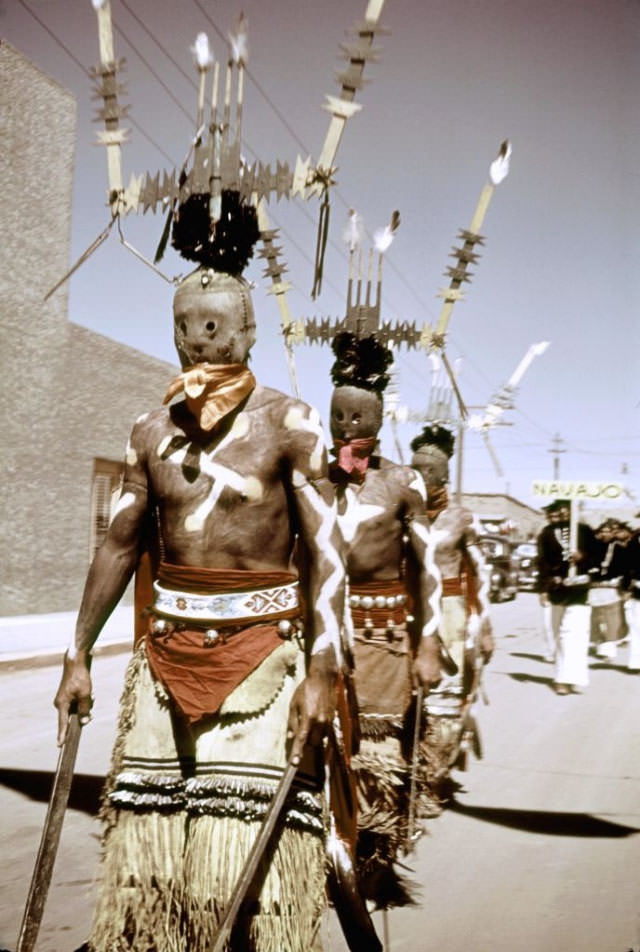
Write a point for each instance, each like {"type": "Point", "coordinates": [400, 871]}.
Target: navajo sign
{"type": "Point", "coordinates": [573, 489]}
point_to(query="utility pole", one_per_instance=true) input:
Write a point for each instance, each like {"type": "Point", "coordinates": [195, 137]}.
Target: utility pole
{"type": "Point", "coordinates": [556, 448]}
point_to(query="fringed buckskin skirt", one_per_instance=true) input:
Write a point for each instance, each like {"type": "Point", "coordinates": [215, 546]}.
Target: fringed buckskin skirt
{"type": "Point", "coordinates": [182, 808]}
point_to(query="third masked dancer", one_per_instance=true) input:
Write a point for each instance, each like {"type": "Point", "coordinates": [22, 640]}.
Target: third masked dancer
{"type": "Point", "coordinates": [465, 626]}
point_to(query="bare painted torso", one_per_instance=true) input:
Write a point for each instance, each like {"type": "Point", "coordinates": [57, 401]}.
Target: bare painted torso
{"type": "Point", "coordinates": [225, 499]}
{"type": "Point", "coordinates": [453, 535]}
{"type": "Point", "coordinates": [373, 517]}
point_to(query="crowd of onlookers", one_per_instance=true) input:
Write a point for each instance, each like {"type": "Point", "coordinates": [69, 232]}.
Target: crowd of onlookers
{"type": "Point", "coordinates": [589, 585]}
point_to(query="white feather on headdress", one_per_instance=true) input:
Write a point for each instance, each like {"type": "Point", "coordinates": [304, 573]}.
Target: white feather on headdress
{"type": "Point", "coordinates": [352, 233]}
{"type": "Point", "coordinates": [202, 51]}
{"type": "Point", "coordinates": [499, 168]}
{"type": "Point", "coordinates": [240, 41]}
{"type": "Point", "coordinates": [98, 4]}
{"type": "Point", "coordinates": [383, 237]}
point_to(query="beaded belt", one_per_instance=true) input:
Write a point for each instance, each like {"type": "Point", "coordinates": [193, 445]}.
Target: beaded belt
{"type": "Point", "coordinates": [608, 583]}
{"type": "Point", "coordinates": [279, 601]}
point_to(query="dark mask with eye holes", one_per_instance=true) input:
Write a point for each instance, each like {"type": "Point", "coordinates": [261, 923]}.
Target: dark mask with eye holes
{"type": "Point", "coordinates": [213, 319]}
{"type": "Point", "coordinates": [355, 414]}
{"type": "Point", "coordinates": [433, 466]}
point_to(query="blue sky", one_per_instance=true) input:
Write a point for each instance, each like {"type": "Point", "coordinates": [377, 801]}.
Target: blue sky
{"type": "Point", "coordinates": [455, 77]}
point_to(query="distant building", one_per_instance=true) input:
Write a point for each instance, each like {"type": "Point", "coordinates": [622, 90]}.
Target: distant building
{"type": "Point", "coordinates": [68, 396]}
{"type": "Point", "coordinates": [501, 513]}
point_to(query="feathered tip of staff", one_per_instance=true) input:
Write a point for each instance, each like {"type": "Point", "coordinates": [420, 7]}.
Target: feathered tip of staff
{"type": "Point", "coordinates": [202, 52]}
{"type": "Point", "coordinates": [240, 41]}
{"type": "Point", "coordinates": [352, 234]}
{"type": "Point", "coordinates": [499, 168]}
{"type": "Point", "coordinates": [383, 237]}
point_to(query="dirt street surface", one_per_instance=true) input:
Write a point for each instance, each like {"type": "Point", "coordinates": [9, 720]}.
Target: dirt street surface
{"type": "Point", "coordinates": [539, 851]}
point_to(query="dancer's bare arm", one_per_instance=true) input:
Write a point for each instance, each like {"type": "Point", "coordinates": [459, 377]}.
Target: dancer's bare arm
{"type": "Point", "coordinates": [315, 509]}
{"type": "Point", "coordinates": [109, 574]}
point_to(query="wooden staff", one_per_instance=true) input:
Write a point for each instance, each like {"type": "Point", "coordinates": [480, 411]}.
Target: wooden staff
{"type": "Point", "coordinates": [415, 757]}
{"type": "Point", "coordinates": [41, 879]}
{"type": "Point", "coordinates": [255, 855]}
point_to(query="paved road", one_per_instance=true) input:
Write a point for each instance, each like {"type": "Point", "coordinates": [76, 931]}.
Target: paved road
{"type": "Point", "coordinates": [540, 850]}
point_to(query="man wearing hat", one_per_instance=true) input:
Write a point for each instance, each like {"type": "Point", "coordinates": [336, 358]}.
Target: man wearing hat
{"type": "Point", "coordinates": [564, 581]}
{"type": "Point", "coordinates": [630, 540]}
{"type": "Point", "coordinates": [547, 627]}
{"type": "Point", "coordinates": [607, 612]}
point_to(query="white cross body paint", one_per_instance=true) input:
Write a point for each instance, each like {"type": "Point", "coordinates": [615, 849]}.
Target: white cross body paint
{"type": "Point", "coordinates": [355, 514]}
{"type": "Point", "coordinates": [221, 476]}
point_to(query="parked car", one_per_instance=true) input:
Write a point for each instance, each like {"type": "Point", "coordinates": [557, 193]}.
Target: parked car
{"type": "Point", "coordinates": [527, 555]}
{"type": "Point", "coordinates": [503, 567]}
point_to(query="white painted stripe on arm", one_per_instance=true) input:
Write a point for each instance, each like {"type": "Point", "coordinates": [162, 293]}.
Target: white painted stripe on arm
{"type": "Point", "coordinates": [330, 586]}
{"type": "Point", "coordinates": [430, 539]}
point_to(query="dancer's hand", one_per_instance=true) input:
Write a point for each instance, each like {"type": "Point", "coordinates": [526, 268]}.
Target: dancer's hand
{"type": "Point", "coordinates": [75, 688]}
{"type": "Point", "coordinates": [427, 666]}
{"type": "Point", "coordinates": [313, 704]}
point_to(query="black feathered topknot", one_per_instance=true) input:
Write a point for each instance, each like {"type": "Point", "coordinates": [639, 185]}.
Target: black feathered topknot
{"type": "Point", "coordinates": [360, 362]}
{"type": "Point", "coordinates": [435, 435]}
{"type": "Point", "coordinates": [225, 246]}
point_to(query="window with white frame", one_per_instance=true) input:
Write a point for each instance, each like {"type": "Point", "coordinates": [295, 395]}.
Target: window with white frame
{"type": "Point", "coordinates": [105, 492]}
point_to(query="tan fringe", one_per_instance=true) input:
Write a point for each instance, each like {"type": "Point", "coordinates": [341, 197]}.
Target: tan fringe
{"type": "Point", "coordinates": [439, 749]}
{"type": "Point", "coordinates": [140, 899]}
{"type": "Point", "coordinates": [125, 723]}
{"type": "Point", "coordinates": [285, 909]}
{"type": "Point", "coordinates": [383, 785]}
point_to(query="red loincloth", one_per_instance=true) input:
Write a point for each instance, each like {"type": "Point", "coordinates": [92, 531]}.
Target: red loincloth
{"type": "Point", "coordinates": [200, 676]}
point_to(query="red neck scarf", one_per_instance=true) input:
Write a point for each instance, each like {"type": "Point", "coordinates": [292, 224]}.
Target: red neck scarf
{"type": "Point", "coordinates": [212, 390]}
{"type": "Point", "coordinates": [353, 456]}
{"type": "Point", "coordinates": [437, 500]}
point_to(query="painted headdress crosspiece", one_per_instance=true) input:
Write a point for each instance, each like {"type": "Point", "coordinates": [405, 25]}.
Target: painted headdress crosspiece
{"type": "Point", "coordinates": [364, 294]}
{"type": "Point", "coordinates": [363, 311]}
{"type": "Point", "coordinates": [459, 273]}
{"type": "Point", "coordinates": [214, 163]}
{"type": "Point", "coordinates": [310, 181]}
{"type": "Point", "coordinates": [444, 383]}
{"type": "Point", "coordinates": [217, 162]}
{"type": "Point", "coordinates": [465, 254]}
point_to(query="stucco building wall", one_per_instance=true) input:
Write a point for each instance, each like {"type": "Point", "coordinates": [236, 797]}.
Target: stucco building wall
{"type": "Point", "coordinates": [67, 395]}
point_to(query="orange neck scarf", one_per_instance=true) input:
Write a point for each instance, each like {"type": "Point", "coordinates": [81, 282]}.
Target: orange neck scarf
{"type": "Point", "coordinates": [212, 390]}
{"type": "Point", "coordinates": [437, 500]}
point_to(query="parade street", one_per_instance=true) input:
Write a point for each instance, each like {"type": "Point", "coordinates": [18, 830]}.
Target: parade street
{"type": "Point", "coordinates": [539, 850]}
